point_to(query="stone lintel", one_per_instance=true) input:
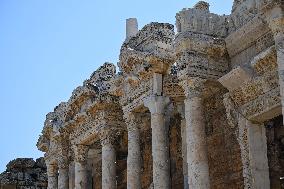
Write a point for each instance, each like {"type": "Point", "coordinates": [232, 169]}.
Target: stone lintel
{"type": "Point", "coordinates": [235, 78]}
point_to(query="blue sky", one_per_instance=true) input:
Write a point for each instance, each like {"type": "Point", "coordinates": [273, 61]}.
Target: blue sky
{"type": "Point", "coordinates": [48, 47]}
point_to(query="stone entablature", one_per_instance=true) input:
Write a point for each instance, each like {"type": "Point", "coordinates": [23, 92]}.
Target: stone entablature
{"type": "Point", "coordinates": [254, 89]}
{"type": "Point", "coordinates": [163, 77]}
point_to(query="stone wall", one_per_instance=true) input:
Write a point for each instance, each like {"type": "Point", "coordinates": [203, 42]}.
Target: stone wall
{"type": "Point", "coordinates": [225, 164]}
{"type": "Point", "coordinates": [24, 173]}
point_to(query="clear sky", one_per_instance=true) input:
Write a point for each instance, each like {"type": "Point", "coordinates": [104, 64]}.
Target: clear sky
{"type": "Point", "coordinates": [48, 47]}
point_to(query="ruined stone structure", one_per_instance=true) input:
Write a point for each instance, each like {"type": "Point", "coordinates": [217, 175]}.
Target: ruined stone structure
{"type": "Point", "coordinates": [24, 173]}
{"type": "Point", "coordinates": [200, 108]}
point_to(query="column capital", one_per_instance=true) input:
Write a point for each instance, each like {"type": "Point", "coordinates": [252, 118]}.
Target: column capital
{"type": "Point", "coordinates": [81, 152]}
{"type": "Point", "coordinates": [193, 87]}
{"type": "Point", "coordinates": [156, 104]}
{"type": "Point", "coordinates": [51, 169]}
{"type": "Point", "coordinates": [63, 162]}
{"type": "Point", "coordinates": [109, 136]}
{"type": "Point", "coordinates": [132, 120]}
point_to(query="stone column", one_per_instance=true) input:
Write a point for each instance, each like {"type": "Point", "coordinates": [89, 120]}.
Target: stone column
{"type": "Point", "coordinates": [72, 175]}
{"type": "Point", "coordinates": [275, 18]}
{"type": "Point", "coordinates": [134, 152]}
{"type": "Point", "coordinates": [198, 169]}
{"type": "Point", "coordinates": [81, 153]}
{"type": "Point", "coordinates": [52, 174]}
{"type": "Point", "coordinates": [160, 144]}
{"type": "Point", "coordinates": [184, 146]}
{"type": "Point", "coordinates": [108, 161]}
{"type": "Point", "coordinates": [63, 176]}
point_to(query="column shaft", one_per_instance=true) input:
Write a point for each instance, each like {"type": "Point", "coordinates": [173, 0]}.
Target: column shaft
{"type": "Point", "coordinates": [198, 169]}
{"type": "Point", "coordinates": [81, 175]}
{"type": "Point", "coordinates": [52, 177]}
{"type": "Point", "coordinates": [108, 166]}
{"type": "Point", "coordinates": [184, 153]}
{"type": "Point", "coordinates": [81, 153]}
{"type": "Point", "coordinates": [63, 178]}
{"type": "Point", "coordinates": [160, 152]}
{"type": "Point", "coordinates": [72, 175]}
{"type": "Point", "coordinates": [133, 159]}
{"type": "Point", "coordinates": [160, 143]}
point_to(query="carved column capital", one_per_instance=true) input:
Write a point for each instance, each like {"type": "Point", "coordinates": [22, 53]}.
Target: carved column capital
{"type": "Point", "coordinates": [156, 104]}
{"type": "Point", "coordinates": [193, 87]}
{"type": "Point", "coordinates": [63, 162]}
{"type": "Point", "coordinates": [81, 152]}
{"type": "Point", "coordinates": [52, 169]}
{"type": "Point", "coordinates": [132, 120]}
{"type": "Point", "coordinates": [109, 136]}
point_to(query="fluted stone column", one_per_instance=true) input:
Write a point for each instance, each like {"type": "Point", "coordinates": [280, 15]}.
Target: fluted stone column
{"type": "Point", "coordinates": [160, 144]}
{"type": "Point", "coordinates": [63, 176]}
{"type": "Point", "coordinates": [275, 19]}
{"type": "Point", "coordinates": [52, 174]}
{"type": "Point", "coordinates": [81, 153]}
{"type": "Point", "coordinates": [134, 152]}
{"type": "Point", "coordinates": [108, 162]}
{"type": "Point", "coordinates": [198, 169]}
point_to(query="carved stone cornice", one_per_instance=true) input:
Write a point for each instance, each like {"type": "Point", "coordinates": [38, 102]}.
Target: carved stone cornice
{"type": "Point", "coordinates": [254, 92]}
{"type": "Point", "coordinates": [148, 52]}
{"type": "Point", "coordinates": [80, 152]}
{"type": "Point", "coordinates": [193, 87]}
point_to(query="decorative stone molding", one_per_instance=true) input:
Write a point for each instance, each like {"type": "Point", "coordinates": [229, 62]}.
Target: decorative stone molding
{"type": "Point", "coordinates": [189, 20]}
{"type": "Point", "coordinates": [155, 56]}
